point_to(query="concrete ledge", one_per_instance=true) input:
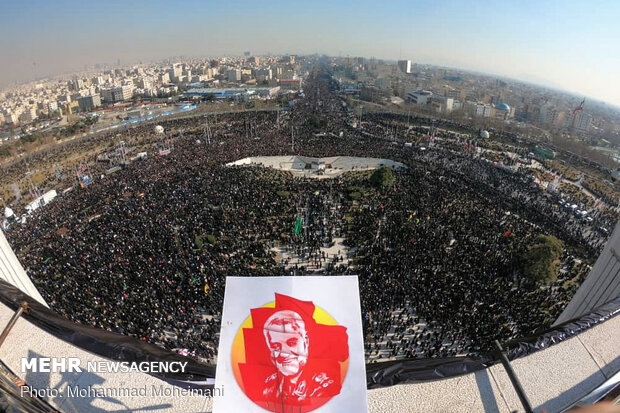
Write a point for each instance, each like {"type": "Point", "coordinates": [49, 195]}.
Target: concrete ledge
{"type": "Point", "coordinates": [553, 379]}
{"type": "Point", "coordinates": [27, 340]}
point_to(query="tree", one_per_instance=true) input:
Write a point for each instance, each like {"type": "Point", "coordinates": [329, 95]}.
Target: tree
{"type": "Point", "coordinates": [198, 242]}
{"type": "Point", "coordinates": [541, 260]}
{"type": "Point", "coordinates": [383, 177]}
{"type": "Point", "coordinates": [354, 196]}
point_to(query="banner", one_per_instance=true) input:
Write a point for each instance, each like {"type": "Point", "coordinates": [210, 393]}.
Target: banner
{"type": "Point", "coordinates": [291, 344]}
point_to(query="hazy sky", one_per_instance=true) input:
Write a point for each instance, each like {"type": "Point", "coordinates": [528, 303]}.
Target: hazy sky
{"type": "Point", "coordinates": [570, 44]}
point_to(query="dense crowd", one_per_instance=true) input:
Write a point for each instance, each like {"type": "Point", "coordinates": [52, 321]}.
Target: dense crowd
{"type": "Point", "coordinates": [145, 251]}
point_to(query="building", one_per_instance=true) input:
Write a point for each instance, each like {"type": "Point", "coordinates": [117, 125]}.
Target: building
{"type": "Point", "coordinates": [383, 83]}
{"type": "Point", "coordinates": [11, 118]}
{"type": "Point", "coordinates": [234, 75]}
{"type": "Point", "coordinates": [453, 93]}
{"type": "Point", "coordinates": [503, 111]}
{"type": "Point", "coordinates": [419, 97]}
{"type": "Point", "coordinates": [210, 72]}
{"type": "Point", "coordinates": [549, 115]}
{"type": "Point", "coordinates": [581, 121]}
{"type": "Point", "coordinates": [28, 115]}
{"type": "Point", "coordinates": [117, 94]}
{"type": "Point", "coordinates": [404, 66]}
{"type": "Point", "coordinates": [442, 104]}
{"type": "Point", "coordinates": [176, 72]}
{"type": "Point", "coordinates": [164, 78]}
{"type": "Point", "coordinates": [488, 112]}
{"type": "Point", "coordinates": [374, 94]}
{"type": "Point", "coordinates": [52, 106]}
{"type": "Point", "coordinates": [263, 74]}
{"type": "Point", "coordinates": [76, 84]}
{"type": "Point", "coordinates": [290, 84]}
{"type": "Point", "coordinates": [246, 74]}
{"type": "Point", "coordinates": [64, 97]}
{"type": "Point", "coordinates": [145, 83]}
{"type": "Point", "coordinates": [287, 74]}
{"type": "Point", "coordinates": [479, 109]}
{"type": "Point", "coordinates": [90, 102]}
{"type": "Point", "coordinates": [233, 93]}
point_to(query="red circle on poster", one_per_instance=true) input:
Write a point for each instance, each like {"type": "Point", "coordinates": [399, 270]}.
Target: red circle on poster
{"type": "Point", "coordinates": [290, 355]}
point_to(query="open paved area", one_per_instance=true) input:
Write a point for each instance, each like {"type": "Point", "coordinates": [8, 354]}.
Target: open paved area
{"type": "Point", "coordinates": [312, 167]}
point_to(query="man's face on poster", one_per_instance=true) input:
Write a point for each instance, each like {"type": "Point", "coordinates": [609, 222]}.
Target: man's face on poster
{"type": "Point", "coordinates": [287, 340]}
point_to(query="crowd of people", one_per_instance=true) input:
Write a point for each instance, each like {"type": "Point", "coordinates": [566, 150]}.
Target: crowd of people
{"type": "Point", "coordinates": [145, 251]}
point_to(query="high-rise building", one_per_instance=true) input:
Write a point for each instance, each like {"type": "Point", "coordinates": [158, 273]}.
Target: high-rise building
{"type": "Point", "coordinates": [176, 72]}
{"type": "Point", "coordinates": [89, 102]}
{"type": "Point", "coordinates": [117, 94]}
{"type": "Point", "coordinates": [52, 106]}
{"type": "Point", "coordinates": [404, 66]}
{"type": "Point", "coordinates": [11, 118]}
{"type": "Point", "coordinates": [548, 115]}
{"type": "Point", "coordinates": [263, 74]}
{"type": "Point", "coordinates": [28, 115]}
{"type": "Point", "coordinates": [582, 121]}
{"type": "Point", "coordinates": [145, 83]}
{"type": "Point", "coordinates": [551, 116]}
{"type": "Point", "coordinates": [64, 97]}
{"type": "Point", "coordinates": [77, 84]}
{"type": "Point", "coordinates": [234, 75]}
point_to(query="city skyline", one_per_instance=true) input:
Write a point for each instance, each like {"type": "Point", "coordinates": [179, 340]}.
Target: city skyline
{"type": "Point", "coordinates": [554, 44]}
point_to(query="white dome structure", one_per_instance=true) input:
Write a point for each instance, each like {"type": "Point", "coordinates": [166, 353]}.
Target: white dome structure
{"type": "Point", "coordinates": [484, 134]}
{"type": "Point", "coordinates": [159, 129]}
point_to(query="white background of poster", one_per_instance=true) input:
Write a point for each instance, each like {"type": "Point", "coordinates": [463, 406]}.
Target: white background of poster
{"type": "Point", "coordinates": [339, 296]}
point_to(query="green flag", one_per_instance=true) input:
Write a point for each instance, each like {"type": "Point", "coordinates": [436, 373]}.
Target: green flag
{"type": "Point", "coordinates": [298, 226]}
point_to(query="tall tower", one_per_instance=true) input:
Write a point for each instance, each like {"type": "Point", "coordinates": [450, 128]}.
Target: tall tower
{"type": "Point", "coordinates": [404, 66]}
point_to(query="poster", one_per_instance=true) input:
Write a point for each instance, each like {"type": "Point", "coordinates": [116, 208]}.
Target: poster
{"type": "Point", "coordinates": [291, 344]}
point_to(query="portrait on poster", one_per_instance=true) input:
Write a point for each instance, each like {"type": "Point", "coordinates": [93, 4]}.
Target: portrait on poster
{"type": "Point", "coordinates": [290, 352]}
